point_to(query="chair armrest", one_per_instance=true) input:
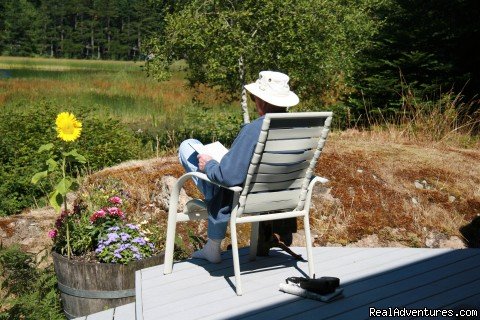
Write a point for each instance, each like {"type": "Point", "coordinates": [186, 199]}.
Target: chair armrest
{"type": "Point", "coordinates": [181, 181]}
{"type": "Point", "coordinates": [312, 183]}
{"type": "Point", "coordinates": [316, 179]}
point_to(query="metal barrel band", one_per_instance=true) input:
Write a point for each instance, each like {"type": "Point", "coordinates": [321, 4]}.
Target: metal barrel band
{"type": "Point", "coordinates": [93, 294]}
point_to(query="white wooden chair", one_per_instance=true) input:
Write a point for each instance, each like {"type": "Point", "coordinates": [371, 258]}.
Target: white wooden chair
{"type": "Point", "coordinates": [279, 182]}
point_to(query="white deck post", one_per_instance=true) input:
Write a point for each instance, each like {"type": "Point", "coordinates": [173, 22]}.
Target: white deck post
{"type": "Point", "coordinates": [233, 232]}
{"type": "Point", "coordinates": [171, 226]}
{"type": "Point", "coordinates": [254, 240]}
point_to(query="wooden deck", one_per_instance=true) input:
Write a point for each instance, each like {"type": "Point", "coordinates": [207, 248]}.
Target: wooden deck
{"type": "Point", "coordinates": [371, 277]}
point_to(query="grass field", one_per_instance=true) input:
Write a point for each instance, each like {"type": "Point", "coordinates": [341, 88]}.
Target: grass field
{"type": "Point", "coordinates": [114, 88]}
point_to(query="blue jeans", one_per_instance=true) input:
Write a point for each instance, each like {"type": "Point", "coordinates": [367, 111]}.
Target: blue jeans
{"type": "Point", "coordinates": [188, 159]}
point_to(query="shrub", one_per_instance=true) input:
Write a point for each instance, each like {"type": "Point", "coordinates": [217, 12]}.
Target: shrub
{"type": "Point", "coordinates": [31, 292]}
{"type": "Point", "coordinates": [204, 124]}
{"type": "Point", "coordinates": [104, 142]}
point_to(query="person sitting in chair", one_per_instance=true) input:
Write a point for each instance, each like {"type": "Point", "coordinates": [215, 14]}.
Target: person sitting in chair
{"type": "Point", "coordinates": [271, 94]}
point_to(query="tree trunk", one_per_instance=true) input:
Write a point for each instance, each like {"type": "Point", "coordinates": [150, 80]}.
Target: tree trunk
{"type": "Point", "coordinates": [92, 42]}
{"type": "Point", "coordinates": [241, 67]}
{"type": "Point", "coordinates": [138, 41]}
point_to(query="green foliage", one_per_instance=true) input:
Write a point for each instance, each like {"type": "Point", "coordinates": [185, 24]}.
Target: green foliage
{"type": "Point", "coordinates": [425, 49]}
{"type": "Point", "coordinates": [31, 291]}
{"type": "Point", "coordinates": [20, 29]}
{"type": "Point", "coordinates": [94, 213]}
{"type": "Point", "coordinates": [58, 167]}
{"type": "Point", "coordinates": [315, 42]}
{"type": "Point", "coordinates": [204, 124]}
{"type": "Point", "coordinates": [109, 29]}
{"type": "Point", "coordinates": [104, 142]}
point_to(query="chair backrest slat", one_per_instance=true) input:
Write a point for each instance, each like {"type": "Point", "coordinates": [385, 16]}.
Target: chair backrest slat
{"type": "Point", "coordinates": [299, 122]}
{"type": "Point", "coordinates": [276, 186]}
{"type": "Point", "coordinates": [270, 206]}
{"type": "Point", "coordinates": [286, 168]}
{"type": "Point", "coordinates": [290, 145]}
{"type": "Point", "coordinates": [277, 200]}
{"type": "Point", "coordinates": [294, 133]}
{"type": "Point", "coordinates": [276, 158]}
{"type": "Point", "coordinates": [278, 177]}
{"type": "Point", "coordinates": [283, 162]}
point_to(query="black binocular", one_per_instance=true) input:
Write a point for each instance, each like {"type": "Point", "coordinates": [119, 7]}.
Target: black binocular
{"type": "Point", "coordinates": [323, 285]}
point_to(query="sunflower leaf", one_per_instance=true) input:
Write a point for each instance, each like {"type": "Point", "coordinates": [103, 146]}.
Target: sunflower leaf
{"type": "Point", "coordinates": [63, 186]}
{"type": "Point", "coordinates": [75, 155]}
{"type": "Point", "coordinates": [45, 147]}
{"type": "Point", "coordinates": [56, 200]}
{"type": "Point", "coordinates": [52, 165]}
{"type": "Point", "coordinates": [38, 176]}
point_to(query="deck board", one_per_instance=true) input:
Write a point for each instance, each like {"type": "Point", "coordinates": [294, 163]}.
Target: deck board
{"type": "Point", "coordinates": [125, 312]}
{"type": "Point", "coordinates": [370, 277]}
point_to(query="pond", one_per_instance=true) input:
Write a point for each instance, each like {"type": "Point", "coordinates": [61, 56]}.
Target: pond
{"type": "Point", "coordinates": [5, 73]}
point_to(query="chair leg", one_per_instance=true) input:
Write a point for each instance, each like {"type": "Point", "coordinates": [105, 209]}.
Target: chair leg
{"type": "Point", "coordinates": [254, 240]}
{"type": "Point", "coordinates": [170, 243]}
{"type": "Point", "coordinates": [308, 242]}
{"type": "Point", "coordinates": [236, 260]}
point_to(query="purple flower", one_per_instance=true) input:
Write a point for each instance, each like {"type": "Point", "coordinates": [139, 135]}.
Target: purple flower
{"type": "Point", "coordinates": [114, 228]}
{"type": "Point", "coordinates": [124, 246]}
{"type": "Point", "coordinates": [139, 240]}
{"type": "Point", "coordinates": [112, 237]}
{"type": "Point", "coordinates": [132, 226]}
{"type": "Point", "coordinates": [125, 236]}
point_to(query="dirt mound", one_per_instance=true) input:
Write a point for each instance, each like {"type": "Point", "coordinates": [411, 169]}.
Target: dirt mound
{"type": "Point", "coordinates": [379, 194]}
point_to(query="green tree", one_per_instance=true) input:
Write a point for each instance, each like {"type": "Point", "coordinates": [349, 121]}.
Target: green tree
{"type": "Point", "coordinates": [315, 42]}
{"type": "Point", "coordinates": [426, 48]}
{"type": "Point", "coordinates": [20, 33]}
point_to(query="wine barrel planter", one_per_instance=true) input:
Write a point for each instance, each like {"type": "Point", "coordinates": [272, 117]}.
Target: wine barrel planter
{"type": "Point", "coordinates": [88, 287]}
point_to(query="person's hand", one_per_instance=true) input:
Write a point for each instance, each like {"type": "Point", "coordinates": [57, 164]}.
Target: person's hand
{"type": "Point", "coordinates": [202, 161]}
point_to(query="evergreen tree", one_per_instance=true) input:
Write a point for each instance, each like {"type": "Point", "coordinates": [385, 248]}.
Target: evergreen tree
{"type": "Point", "coordinates": [20, 32]}
{"type": "Point", "coordinates": [425, 48]}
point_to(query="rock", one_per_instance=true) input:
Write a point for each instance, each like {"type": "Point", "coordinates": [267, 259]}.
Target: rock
{"type": "Point", "coordinates": [165, 187]}
{"type": "Point", "coordinates": [359, 170]}
{"type": "Point", "coordinates": [29, 230]}
{"type": "Point", "coordinates": [369, 241]}
{"type": "Point", "coordinates": [451, 199]}
{"type": "Point", "coordinates": [415, 201]}
{"type": "Point", "coordinates": [453, 242]}
{"type": "Point", "coordinates": [299, 238]}
{"type": "Point", "coordinates": [440, 240]}
{"type": "Point", "coordinates": [418, 185]}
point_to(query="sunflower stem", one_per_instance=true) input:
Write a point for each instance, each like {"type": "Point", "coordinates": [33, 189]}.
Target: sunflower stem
{"type": "Point", "coordinates": [69, 249]}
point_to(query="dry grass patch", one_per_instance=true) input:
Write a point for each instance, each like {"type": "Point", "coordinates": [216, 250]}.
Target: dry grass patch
{"type": "Point", "coordinates": [373, 181]}
{"type": "Point", "coordinates": [373, 191]}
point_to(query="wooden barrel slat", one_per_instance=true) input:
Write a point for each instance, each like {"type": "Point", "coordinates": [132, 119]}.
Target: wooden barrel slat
{"type": "Point", "coordinates": [91, 279]}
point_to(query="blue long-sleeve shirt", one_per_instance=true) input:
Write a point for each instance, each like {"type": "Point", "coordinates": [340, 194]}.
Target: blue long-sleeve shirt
{"type": "Point", "coordinates": [232, 170]}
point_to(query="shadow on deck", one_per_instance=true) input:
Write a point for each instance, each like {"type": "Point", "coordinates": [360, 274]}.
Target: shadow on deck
{"type": "Point", "coordinates": [380, 278]}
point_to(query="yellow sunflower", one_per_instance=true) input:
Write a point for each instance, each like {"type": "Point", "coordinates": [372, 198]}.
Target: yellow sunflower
{"type": "Point", "coordinates": [68, 127]}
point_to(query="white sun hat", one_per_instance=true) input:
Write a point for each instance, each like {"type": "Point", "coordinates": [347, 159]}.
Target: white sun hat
{"type": "Point", "coordinates": [272, 87]}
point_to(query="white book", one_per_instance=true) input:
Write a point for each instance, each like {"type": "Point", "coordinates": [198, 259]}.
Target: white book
{"type": "Point", "coordinates": [216, 150]}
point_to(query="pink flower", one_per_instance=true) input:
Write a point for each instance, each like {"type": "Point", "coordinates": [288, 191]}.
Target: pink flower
{"type": "Point", "coordinates": [52, 233]}
{"type": "Point", "coordinates": [115, 200]}
{"type": "Point", "coordinates": [114, 211]}
{"type": "Point", "coordinates": [98, 214]}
